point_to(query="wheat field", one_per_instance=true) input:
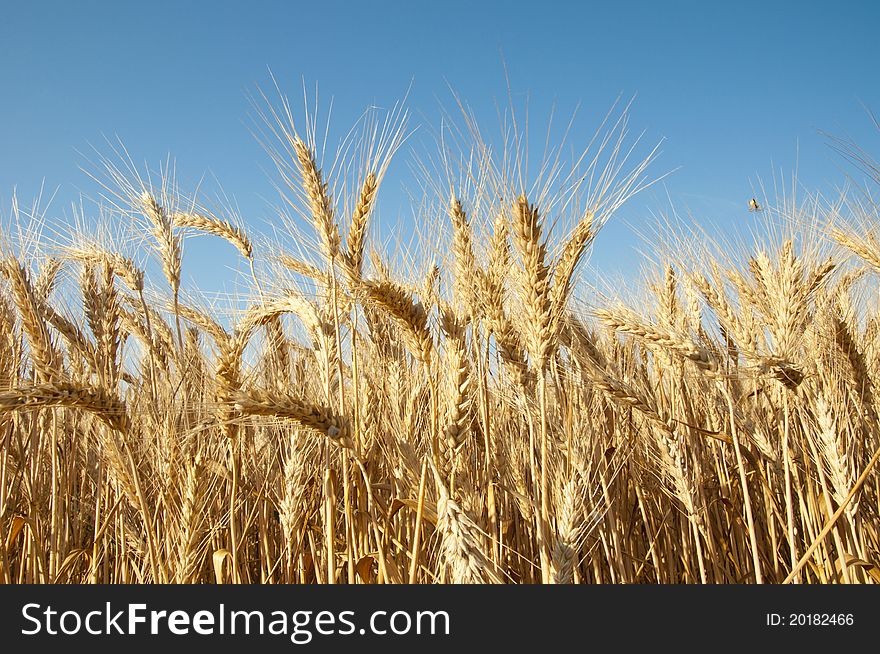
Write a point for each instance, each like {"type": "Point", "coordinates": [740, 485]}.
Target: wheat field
{"type": "Point", "coordinates": [470, 410]}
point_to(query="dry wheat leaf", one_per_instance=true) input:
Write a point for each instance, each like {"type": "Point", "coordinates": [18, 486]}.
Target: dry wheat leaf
{"type": "Point", "coordinates": [364, 569]}
{"type": "Point", "coordinates": [218, 558]}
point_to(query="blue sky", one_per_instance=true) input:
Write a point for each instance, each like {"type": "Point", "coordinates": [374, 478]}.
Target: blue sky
{"type": "Point", "coordinates": [737, 90]}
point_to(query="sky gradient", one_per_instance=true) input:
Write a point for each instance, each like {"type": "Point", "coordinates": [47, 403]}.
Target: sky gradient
{"type": "Point", "coordinates": [735, 90]}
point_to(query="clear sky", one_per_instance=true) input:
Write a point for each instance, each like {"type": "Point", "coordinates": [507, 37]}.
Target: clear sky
{"type": "Point", "coordinates": [736, 89]}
